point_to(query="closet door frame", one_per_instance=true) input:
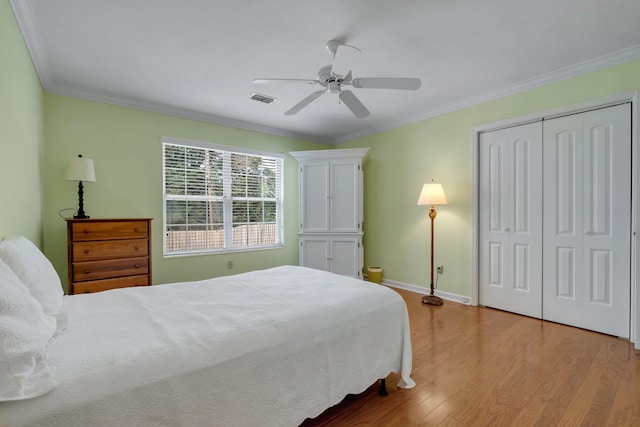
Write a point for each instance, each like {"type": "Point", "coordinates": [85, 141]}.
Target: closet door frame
{"type": "Point", "coordinates": [632, 97]}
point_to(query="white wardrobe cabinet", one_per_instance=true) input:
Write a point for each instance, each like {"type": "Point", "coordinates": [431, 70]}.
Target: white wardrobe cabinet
{"type": "Point", "coordinates": [338, 254]}
{"type": "Point", "coordinates": [331, 209]}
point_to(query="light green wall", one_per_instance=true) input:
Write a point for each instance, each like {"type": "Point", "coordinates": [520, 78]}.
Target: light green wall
{"type": "Point", "coordinates": [21, 136]}
{"type": "Point", "coordinates": [401, 160]}
{"type": "Point", "coordinates": [125, 146]}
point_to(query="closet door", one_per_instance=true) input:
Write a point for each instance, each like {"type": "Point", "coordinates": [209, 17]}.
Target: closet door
{"type": "Point", "coordinates": [587, 203]}
{"type": "Point", "coordinates": [510, 219]}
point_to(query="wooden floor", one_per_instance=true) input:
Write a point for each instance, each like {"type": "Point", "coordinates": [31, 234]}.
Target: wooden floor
{"type": "Point", "coordinates": [482, 367]}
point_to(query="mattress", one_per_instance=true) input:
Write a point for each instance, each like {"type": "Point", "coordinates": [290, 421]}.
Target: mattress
{"type": "Point", "coordinates": [264, 348]}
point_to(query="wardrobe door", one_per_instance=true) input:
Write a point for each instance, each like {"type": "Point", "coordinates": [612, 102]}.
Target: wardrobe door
{"type": "Point", "coordinates": [315, 197]}
{"type": "Point", "coordinates": [510, 219]}
{"type": "Point", "coordinates": [344, 200]}
{"type": "Point", "coordinates": [587, 203]}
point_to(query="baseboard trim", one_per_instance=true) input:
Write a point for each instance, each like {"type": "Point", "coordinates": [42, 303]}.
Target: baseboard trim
{"type": "Point", "coordinates": [424, 291]}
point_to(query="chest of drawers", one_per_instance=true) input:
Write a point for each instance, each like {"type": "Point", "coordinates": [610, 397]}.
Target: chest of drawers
{"type": "Point", "coordinates": [108, 253]}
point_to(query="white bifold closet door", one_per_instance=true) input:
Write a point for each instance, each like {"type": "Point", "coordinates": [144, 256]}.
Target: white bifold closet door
{"type": "Point", "coordinates": [510, 219]}
{"type": "Point", "coordinates": [555, 219]}
{"type": "Point", "coordinates": [587, 208]}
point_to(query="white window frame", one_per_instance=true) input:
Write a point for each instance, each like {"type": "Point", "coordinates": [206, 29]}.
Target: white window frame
{"type": "Point", "coordinates": [227, 198]}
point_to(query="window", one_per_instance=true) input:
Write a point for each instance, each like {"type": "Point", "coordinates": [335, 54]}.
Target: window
{"type": "Point", "coordinates": [220, 199]}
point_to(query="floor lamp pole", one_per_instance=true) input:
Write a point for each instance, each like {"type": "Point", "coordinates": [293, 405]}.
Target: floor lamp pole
{"type": "Point", "coordinates": [432, 299]}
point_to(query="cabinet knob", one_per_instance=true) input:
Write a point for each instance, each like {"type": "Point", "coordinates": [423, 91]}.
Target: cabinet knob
{"type": "Point", "coordinates": [85, 231]}
{"type": "Point", "coordinates": [87, 271]}
{"type": "Point", "coordinates": [136, 248]}
{"type": "Point", "coordinates": [86, 251]}
{"type": "Point", "coordinates": [137, 266]}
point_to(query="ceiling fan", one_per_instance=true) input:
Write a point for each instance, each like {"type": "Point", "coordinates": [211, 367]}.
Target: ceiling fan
{"type": "Point", "coordinates": [332, 77]}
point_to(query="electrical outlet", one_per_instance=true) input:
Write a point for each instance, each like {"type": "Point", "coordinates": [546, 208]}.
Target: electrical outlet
{"type": "Point", "coordinates": [440, 269]}
{"type": "Point", "coordinates": [229, 265]}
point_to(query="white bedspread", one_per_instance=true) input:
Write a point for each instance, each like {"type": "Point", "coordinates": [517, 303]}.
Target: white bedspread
{"type": "Point", "coordinates": [265, 348]}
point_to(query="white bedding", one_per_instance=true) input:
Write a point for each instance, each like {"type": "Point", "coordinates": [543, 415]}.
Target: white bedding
{"type": "Point", "coordinates": [265, 348]}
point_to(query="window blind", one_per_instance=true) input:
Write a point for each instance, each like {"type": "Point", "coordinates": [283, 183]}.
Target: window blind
{"type": "Point", "coordinates": [220, 199]}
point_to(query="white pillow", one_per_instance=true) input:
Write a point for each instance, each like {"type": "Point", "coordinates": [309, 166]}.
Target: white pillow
{"type": "Point", "coordinates": [25, 332]}
{"type": "Point", "coordinates": [34, 270]}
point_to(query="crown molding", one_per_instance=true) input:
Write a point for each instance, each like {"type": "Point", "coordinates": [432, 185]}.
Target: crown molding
{"type": "Point", "coordinates": [33, 39]}
{"type": "Point", "coordinates": [187, 114]}
{"type": "Point", "coordinates": [595, 64]}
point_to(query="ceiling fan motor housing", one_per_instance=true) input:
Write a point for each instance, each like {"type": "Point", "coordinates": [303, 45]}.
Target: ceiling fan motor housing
{"type": "Point", "coordinates": [329, 80]}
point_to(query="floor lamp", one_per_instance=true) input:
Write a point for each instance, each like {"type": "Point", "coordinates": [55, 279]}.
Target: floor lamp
{"type": "Point", "coordinates": [432, 194]}
{"type": "Point", "coordinates": [80, 169]}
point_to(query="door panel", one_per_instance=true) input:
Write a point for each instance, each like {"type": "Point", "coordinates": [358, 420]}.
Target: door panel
{"type": "Point", "coordinates": [587, 196]}
{"type": "Point", "coordinates": [344, 256]}
{"type": "Point", "coordinates": [314, 253]}
{"type": "Point", "coordinates": [511, 225]}
{"type": "Point", "coordinates": [344, 203]}
{"type": "Point", "coordinates": [315, 204]}
{"type": "Point", "coordinates": [562, 212]}
{"type": "Point", "coordinates": [607, 242]}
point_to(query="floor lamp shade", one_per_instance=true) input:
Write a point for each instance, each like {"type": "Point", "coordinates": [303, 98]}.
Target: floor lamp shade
{"type": "Point", "coordinates": [432, 194]}
{"type": "Point", "coordinates": [80, 169]}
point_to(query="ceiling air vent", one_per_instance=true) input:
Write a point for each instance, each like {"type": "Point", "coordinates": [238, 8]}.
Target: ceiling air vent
{"type": "Point", "coordinates": [266, 99]}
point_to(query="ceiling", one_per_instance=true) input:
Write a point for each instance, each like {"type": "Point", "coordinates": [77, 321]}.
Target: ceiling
{"type": "Point", "coordinates": [197, 58]}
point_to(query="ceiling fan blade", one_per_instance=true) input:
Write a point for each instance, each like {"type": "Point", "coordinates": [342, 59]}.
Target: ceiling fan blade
{"type": "Point", "coordinates": [300, 105]}
{"type": "Point", "coordinates": [344, 59]}
{"type": "Point", "coordinates": [387, 83]}
{"type": "Point", "coordinates": [354, 104]}
{"type": "Point", "coordinates": [305, 81]}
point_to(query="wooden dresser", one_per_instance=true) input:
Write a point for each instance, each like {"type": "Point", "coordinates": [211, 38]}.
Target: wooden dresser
{"type": "Point", "coordinates": [108, 253]}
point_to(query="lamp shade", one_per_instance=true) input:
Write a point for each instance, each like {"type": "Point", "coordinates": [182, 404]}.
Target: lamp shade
{"type": "Point", "coordinates": [432, 194]}
{"type": "Point", "coordinates": [80, 169]}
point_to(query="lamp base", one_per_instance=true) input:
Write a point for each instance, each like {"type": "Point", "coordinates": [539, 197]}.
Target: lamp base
{"type": "Point", "coordinates": [432, 300]}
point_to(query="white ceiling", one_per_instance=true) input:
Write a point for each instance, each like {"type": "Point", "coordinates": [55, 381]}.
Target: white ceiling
{"type": "Point", "coordinates": [197, 58]}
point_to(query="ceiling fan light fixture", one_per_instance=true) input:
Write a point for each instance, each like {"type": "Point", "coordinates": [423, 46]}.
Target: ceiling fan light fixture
{"type": "Point", "coordinates": [333, 86]}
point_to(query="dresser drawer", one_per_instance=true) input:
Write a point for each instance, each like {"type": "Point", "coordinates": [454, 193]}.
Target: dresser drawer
{"type": "Point", "coordinates": [105, 253]}
{"type": "Point", "coordinates": [91, 270]}
{"type": "Point", "coordinates": [111, 230]}
{"type": "Point", "coordinates": [108, 249]}
{"type": "Point", "coordinates": [105, 284]}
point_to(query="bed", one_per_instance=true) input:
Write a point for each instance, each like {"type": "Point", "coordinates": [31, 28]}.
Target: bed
{"type": "Point", "coordinates": [267, 348]}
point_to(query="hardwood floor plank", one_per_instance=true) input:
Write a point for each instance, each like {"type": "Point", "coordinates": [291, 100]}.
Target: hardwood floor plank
{"type": "Point", "coordinates": [476, 366]}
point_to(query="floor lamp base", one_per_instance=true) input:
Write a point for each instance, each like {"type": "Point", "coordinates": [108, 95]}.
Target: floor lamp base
{"type": "Point", "coordinates": [432, 300]}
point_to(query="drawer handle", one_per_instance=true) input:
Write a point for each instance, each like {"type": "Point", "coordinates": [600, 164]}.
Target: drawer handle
{"type": "Point", "coordinates": [136, 248]}
{"type": "Point", "coordinates": [85, 231]}
{"type": "Point", "coordinates": [86, 251]}
{"type": "Point", "coordinates": [137, 265]}
{"type": "Point", "coordinates": [87, 271]}
{"type": "Point", "coordinates": [135, 229]}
